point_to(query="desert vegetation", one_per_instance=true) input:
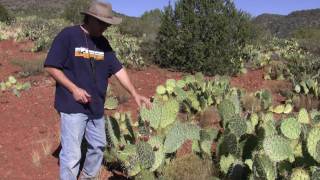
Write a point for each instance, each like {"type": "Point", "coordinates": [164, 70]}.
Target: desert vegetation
{"type": "Point", "coordinates": [200, 126]}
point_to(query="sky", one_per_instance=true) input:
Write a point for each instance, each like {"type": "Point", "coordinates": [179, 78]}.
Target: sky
{"type": "Point", "coordinates": [254, 7]}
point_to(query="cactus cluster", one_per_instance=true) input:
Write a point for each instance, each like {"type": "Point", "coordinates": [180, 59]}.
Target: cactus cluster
{"type": "Point", "coordinates": [111, 103]}
{"type": "Point", "coordinates": [13, 85]}
{"type": "Point", "coordinates": [307, 86]}
{"type": "Point", "coordinates": [251, 143]}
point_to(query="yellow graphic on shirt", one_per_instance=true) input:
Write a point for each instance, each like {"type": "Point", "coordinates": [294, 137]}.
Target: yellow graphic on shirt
{"type": "Point", "coordinates": [87, 54]}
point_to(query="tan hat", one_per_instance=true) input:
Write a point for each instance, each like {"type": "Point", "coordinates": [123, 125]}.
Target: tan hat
{"type": "Point", "coordinates": [103, 12]}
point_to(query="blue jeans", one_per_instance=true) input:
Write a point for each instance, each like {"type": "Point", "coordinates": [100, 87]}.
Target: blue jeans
{"type": "Point", "coordinates": [73, 127]}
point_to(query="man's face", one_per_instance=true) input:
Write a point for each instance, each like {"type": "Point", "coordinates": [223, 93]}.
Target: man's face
{"type": "Point", "coordinates": [98, 26]}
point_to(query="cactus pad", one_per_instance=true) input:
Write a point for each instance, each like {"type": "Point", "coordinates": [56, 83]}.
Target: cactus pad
{"type": "Point", "coordinates": [291, 128]}
{"type": "Point", "coordinates": [299, 174]}
{"type": "Point", "coordinates": [226, 110]}
{"type": "Point", "coordinates": [145, 154]}
{"type": "Point", "coordinates": [303, 116]}
{"type": "Point", "coordinates": [263, 168]}
{"type": "Point", "coordinates": [162, 114]}
{"type": "Point", "coordinates": [313, 143]}
{"type": "Point", "coordinates": [161, 90]}
{"type": "Point", "coordinates": [178, 134]}
{"type": "Point", "coordinates": [227, 144]}
{"type": "Point", "coordinates": [157, 144]}
{"type": "Point", "coordinates": [226, 162]}
{"type": "Point", "coordinates": [277, 148]}
{"type": "Point", "coordinates": [238, 126]}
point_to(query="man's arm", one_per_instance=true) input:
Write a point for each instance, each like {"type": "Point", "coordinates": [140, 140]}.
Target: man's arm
{"type": "Point", "coordinates": [123, 77]}
{"type": "Point", "coordinates": [79, 94]}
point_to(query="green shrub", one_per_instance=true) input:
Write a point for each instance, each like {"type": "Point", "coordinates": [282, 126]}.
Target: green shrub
{"type": "Point", "coordinates": [73, 9]}
{"type": "Point", "coordinates": [309, 39]}
{"type": "Point", "coordinates": [4, 15]}
{"type": "Point", "coordinates": [202, 35]}
{"type": "Point", "coordinates": [126, 47]}
{"type": "Point", "coordinates": [41, 31]}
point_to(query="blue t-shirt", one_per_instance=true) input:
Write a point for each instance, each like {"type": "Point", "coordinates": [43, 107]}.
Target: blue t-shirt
{"type": "Point", "coordinates": [88, 62]}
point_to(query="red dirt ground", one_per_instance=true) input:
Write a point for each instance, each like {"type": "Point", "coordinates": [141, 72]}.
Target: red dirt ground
{"type": "Point", "coordinates": [30, 125]}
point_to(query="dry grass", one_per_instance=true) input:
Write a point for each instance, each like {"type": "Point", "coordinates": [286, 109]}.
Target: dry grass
{"type": "Point", "coordinates": [190, 167]}
{"type": "Point", "coordinates": [36, 158]}
{"type": "Point", "coordinates": [46, 147]}
{"type": "Point", "coordinates": [29, 67]}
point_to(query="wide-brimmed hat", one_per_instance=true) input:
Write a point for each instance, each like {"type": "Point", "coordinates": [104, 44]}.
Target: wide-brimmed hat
{"type": "Point", "coordinates": [103, 12]}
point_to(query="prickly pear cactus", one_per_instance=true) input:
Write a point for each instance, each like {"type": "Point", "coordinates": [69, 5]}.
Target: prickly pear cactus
{"type": "Point", "coordinates": [181, 95]}
{"type": "Point", "coordinates": [161, 90]}
{"type": "Point", "coordinates": [315, 171]}
{"type": "Point", "coordinates": [145, 154]}
{"type": "Point", "coordinates": [238, 126]}
{"type": "Point", "coordinates": [313, 143]}
{"type": "Point", "coordinates": [269, 128]}
{"type": "Point", "coordinates": [266, 98]}
{"type": "Point", "coordinates": [171, 83]}
{"type": "Point", "coordinates": [226, 163]}
{"type": "Point", "coordinates": [181, 83]}
{"type": "Point", "coordinates": [277, 148]}
{"type": "Point", "coordinates": [145, 175]}
{"type": "Point", "coordinates": [156, 143]}
{"type": "Point", "coordinates": [315, 116]}
{"type": "Point", "coordinates": [192, 101]}
{"type": "Point", "coordinates": [178, 134]}
{"type": "Point", "coordinates": [162, 114]}
{"type": "Point", "coordinates": [152, 115]}
{"type": "Point", "coordinates": [288, 108]}
{"type": "Point", "coordinates": [267, 117]}
{"type": "Point", "coordinates": [129, 159]}
{"type": "Point", "coordinates": [113, 132]}
{"type": "Point", "coordinates": [299, 174]}
{"type": "Point", "coordinates": [226, 110]}
{"type": "Point", "coordinates": [206, 138]}
{"type": "Point", "coordinates": [303, 116]}
{"type": "Point", "coordinates": [254, 119]}
{"type": "Point", "coordinates": [169, 113]}
{"type": "Point", "coordinates": [263, 167]}
{"type": "Point", "coordinates": [189, 79]}
{"type": "Point", "coordinates": [227, 144]}
{"type": "Point", "coordinates": [111, 103]}
{"type": "Point", "coordinates": [234, 98]}
{"type": "Point", "coordinates": [279, 109]}
{"type": "Point", "coordinates": [291, 128]}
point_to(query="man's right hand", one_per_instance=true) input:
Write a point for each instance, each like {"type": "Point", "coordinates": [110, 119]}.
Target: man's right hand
{"type": "Point", "coordinates": [81, 95]}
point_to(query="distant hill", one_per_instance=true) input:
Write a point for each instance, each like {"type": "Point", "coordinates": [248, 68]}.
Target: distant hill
{"type": "Point", "coordinates": [282, 26]}
{"type": "Point", "coordinates": [56, 5]}
{"type": "Point", "coordinates": [25, 4]}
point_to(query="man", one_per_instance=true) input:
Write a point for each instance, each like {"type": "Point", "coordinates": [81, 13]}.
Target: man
{"type": "Point", "coordinates": [81, 61]}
